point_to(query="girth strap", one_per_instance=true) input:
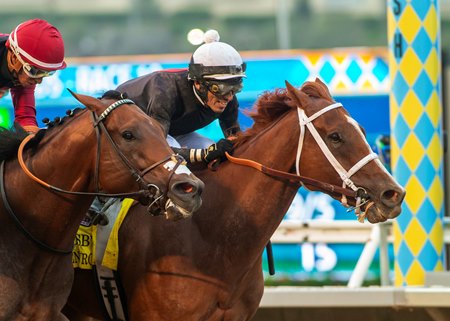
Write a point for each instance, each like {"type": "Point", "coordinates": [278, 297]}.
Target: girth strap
{"type": "Point", "coordinates": [19, 224]}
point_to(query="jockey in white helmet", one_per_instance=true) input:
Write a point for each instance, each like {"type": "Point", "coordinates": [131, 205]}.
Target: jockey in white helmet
{"type": "Point", "coordinates": [186, 100]}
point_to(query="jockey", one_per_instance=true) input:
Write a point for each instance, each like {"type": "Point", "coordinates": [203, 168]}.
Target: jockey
{"type": "Point", "coordinates": [33, 50]}
{"type": "Point", "coordinates": [185, 100]}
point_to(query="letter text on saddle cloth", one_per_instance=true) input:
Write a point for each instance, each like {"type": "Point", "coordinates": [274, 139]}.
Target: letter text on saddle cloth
{"type": "Point", "coordinates": [85, 243]}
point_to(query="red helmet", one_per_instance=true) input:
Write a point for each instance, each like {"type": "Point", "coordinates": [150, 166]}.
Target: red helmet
{"type": "Point", "coordinates": [38, 44]}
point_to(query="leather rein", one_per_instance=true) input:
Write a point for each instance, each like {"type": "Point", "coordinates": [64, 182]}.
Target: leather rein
{"type": "Point", "coordinates": [291, 177]}
{"type": "Point", "coordinates": [148, 190]}
{"type": "Point", "coordinates": [99, 129]}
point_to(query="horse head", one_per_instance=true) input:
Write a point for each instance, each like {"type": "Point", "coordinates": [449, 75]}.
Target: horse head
{"type": "Point", "coordinates": [131, 144]}
{"type": "Point", "coordinates": [328, 135]}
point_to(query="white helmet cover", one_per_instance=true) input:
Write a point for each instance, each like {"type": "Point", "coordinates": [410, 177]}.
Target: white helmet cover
{"type": "Point", "coordinates": [215, 60]}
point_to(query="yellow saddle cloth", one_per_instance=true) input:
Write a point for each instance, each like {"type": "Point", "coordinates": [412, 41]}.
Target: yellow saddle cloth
{"type": "Point", "coordinates": [84, 252]}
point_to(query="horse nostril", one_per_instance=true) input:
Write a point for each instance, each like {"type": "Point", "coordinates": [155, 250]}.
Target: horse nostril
{"type": "Point", "coordinates": [185, 188]}
{"type": "Point", "coordinates": [392, 196]}
{"type": "Point", "coordinates": [188, 187]}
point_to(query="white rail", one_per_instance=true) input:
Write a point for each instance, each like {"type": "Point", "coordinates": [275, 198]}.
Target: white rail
{"type": "Point", "coordinates": [340, 297]}
{"type": "Point", "coordinates": [324, 231]}
{"type": "Point", "coordinates": [374, 236]}
{"type": "Point", "coordinates": [328, 231]}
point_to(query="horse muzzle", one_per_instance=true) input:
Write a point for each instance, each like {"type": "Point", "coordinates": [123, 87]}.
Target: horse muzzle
{"type": "Point", "coordinates": [386, 206]}
{"type": "Point", "coordinates": [181, 200]}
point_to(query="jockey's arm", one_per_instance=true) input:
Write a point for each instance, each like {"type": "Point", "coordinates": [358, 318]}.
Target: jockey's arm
{"type": "Point", "coordinates": [24, 107]}
{"type": "Point", "coordinates": [206, 155]}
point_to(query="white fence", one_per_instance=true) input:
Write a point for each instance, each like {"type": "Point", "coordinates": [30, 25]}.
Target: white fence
{"type": "Point", "coordinates": [374, 236]}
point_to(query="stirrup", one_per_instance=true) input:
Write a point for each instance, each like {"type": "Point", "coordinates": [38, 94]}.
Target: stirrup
{"type": "Point", "coordinates": [97, 218]}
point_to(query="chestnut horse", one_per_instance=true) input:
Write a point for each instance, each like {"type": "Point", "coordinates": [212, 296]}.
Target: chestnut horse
{"type": "Point", "coordinates": [111, 148]}
{"type": "Point", "coordinates": [209, 267]}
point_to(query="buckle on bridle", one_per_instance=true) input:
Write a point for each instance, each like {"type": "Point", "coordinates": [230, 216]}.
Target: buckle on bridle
{"type": "Point", "coordinates": [154, 208]}
{"type": "Point", "coordinates": [362, 194]}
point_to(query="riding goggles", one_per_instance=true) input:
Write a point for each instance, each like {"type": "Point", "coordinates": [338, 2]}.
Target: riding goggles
{"type": "Point", "coordinates": [223, 89]}
{"type": "Point", "coordinates": [34, 72]}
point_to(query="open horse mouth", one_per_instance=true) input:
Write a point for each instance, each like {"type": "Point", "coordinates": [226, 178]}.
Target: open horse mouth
{"type": "Point", "coordinates": [386, 206]}
{"type": "Point", "coordinates": [184, 198]}
{"type": "Point", "coordinates": [174, 212]}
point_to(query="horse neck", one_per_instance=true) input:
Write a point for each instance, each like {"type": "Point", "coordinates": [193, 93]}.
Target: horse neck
{"type": "Point", "coordinates": [275, 146]}
{"type": "Point", "coordinates": [251, 201]}
{"type": "Point", "coordinates": [64, 159]}
{"type": "Point", "coordinates": [67, 157]}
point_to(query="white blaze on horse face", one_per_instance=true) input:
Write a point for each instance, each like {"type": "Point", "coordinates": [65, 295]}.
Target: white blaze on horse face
{"type": "Point", "coordinates": [380, 164]}
{"type": "Point", "coordinates": [355, 124]}
{"type": "Point", "coordinates": [182, 169]}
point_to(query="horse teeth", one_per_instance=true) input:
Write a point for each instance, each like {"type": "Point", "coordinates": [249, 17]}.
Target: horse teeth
{"type": "Point", "coordinates": [182, 211]}
{"type": "Point", "coordinates": [361, 217]}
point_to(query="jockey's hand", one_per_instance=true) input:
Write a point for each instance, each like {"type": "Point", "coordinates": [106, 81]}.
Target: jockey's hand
{"type": "Point", "coordinates": [218, 150]}
{"type": "Point", "coordinates": [31, 129]}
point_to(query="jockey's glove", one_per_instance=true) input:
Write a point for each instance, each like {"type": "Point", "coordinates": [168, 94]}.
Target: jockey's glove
{"type": "Point", "coordinates": [214, 151]}
{"type": "Point", "coordinates": [218, 150]}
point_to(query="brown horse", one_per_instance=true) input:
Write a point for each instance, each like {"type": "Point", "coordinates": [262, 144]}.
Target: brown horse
{"type": "Point", "coordinates": [111, 148]}
{"type": "Point", "coordinates": [209, 267]}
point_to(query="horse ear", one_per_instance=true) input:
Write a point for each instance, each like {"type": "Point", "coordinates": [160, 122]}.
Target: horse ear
{"type": "Point", "coordinates": [323, 85]}
{"type": "Point", "coordinates": [90, 102]}
{"type": "Point", "coordinates": [297, 95]}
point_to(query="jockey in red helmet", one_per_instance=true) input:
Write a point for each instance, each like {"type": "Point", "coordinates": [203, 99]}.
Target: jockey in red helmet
{"type": "Point", "coordinates": [33, 50]}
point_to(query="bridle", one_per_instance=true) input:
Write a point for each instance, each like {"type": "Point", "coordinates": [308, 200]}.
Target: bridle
{"type": "Point", "coordinates": [146, 189]}
{"type": "Point", "coordinates": [348, 187]}
{"type": "Point", "coordinates": [100, 128]}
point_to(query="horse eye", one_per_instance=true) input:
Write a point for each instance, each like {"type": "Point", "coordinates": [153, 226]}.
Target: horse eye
{"type": "Point", "coordinates": [128, 135]}
{"type": "Point", "coordinates": [335, 137]}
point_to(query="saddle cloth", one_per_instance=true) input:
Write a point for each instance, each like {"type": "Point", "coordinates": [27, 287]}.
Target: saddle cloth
{"type": "Point", "coordinates": [96, 248]}
{"type": "Point", "coordinates": [99, 245]}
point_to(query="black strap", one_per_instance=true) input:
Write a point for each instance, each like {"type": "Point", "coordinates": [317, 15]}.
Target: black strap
{"type": "Point", "coordinates": [270, 260]}
{"type": "Point", "coordinates": [121, 293]}
{"type": "Point", "coordinates": [19, 224]}
{"type": "Point", "coordinates": [98, 292]}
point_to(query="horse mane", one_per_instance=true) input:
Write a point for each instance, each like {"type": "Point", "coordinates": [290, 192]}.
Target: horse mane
{"type": "Point", "coordinates": [270, 106]}
{"type": "Point", "coordinates": [58, 121]}
{"type": "Point", "coordinates": [10, 139]}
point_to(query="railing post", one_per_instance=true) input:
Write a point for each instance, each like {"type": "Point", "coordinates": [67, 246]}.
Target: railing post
{"type": "Point", "coordinates": [416, 136]}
